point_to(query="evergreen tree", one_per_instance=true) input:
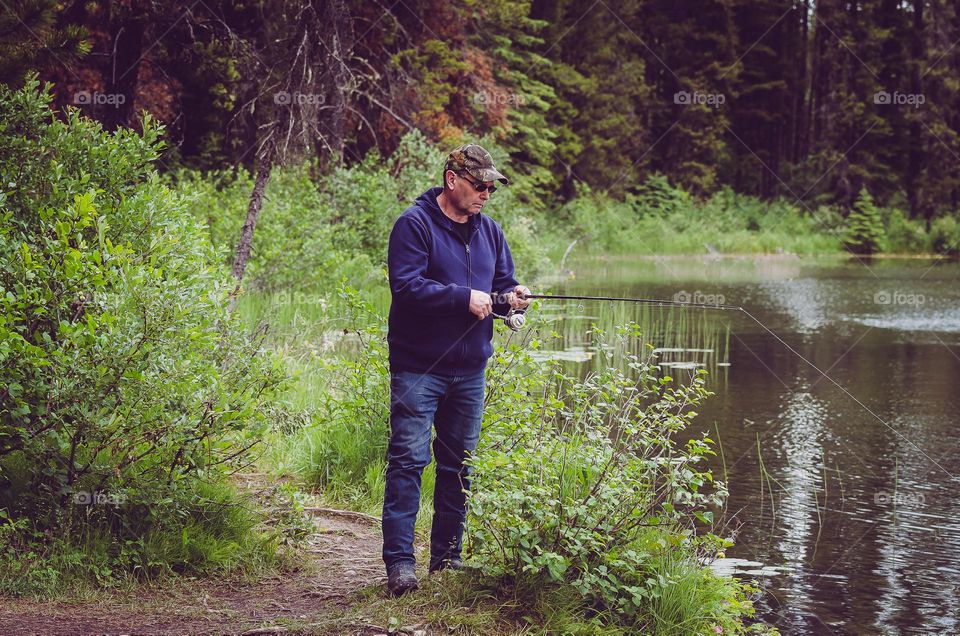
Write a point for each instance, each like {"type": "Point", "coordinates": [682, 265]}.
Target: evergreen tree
{"type": "Point", "coordinates": [31, 39]}
{"type": "Point", "coordinates": [603, 99]}
{"type": "Point", "coordinates": [864, 227]}
{"type": "Point", "coordinates": [766, 108]}
{"type": "Point", "coordinates": [935, 130]}
{"type": "Point", "coordinates": [847, 127]}
{"type": "Point", "coordinates": [689, 48]}
{"type": "Point", "coordinates": [515, 96]}
{"type": "Point", "coordinates": [771, 97]}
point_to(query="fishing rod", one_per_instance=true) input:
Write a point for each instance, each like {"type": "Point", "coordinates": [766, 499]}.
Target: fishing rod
{"type": "Point", "coordinates": [646, 301]}
{"type": "Point", "coordinates": [516, 319]}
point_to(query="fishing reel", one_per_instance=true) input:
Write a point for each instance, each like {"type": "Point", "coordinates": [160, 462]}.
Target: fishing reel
{"type": "Point", "coordinates": [514, 319]}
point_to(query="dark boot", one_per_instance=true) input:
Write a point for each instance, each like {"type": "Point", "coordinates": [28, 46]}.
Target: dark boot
{"type": "Point", "coordinates": [401, 578]}
{"type": "Point", "coordinates": [446, 535]}
{"type": "Point", "coordinates": [448, 564]}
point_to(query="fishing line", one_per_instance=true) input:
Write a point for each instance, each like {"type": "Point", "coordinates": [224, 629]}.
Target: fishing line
{"type": "Point", "coordinates": [515, 319]}
{"type": "Point", "coordinates": [646, 301]}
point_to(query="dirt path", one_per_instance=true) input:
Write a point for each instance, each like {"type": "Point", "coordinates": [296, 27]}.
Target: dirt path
{"type": "Point", "coordinates": [342, 557]}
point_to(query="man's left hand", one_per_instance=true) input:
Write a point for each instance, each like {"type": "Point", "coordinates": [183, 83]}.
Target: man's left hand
{"type": "Point", "coordinates": [517, 297]}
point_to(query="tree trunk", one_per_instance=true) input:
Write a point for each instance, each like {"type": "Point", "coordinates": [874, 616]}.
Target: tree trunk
{"type": "Point", "coordinates": [126, 41]}
{"type": "Point", "coordinates": [339, 48]}
{"type": "Point", "coordinates": [253, 213]}
{"type": "Point", "coordinates": [917, 152]}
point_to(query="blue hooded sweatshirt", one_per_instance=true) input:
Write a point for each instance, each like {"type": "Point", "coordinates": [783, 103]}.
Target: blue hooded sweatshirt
{"type": "Point", "coordinates": [432, 271]}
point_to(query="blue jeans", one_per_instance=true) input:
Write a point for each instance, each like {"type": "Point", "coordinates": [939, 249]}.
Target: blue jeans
{"type": "Point", "coordinates": [418, 403]}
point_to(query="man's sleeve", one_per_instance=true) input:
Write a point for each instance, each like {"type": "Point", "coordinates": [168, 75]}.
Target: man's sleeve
{"type": "Point", "coordinates": [407, 259]}
{"type": "Point", "coordinates": [503, 277]}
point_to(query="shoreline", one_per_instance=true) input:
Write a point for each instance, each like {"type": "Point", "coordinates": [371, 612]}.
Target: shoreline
{"type": "Point", "coordinates": [772, 256]}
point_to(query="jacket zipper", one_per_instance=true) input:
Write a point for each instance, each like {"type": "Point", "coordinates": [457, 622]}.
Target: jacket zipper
{"type": "Point", "coordinates": [469, 266]}
{"type": "Point", "coordinates": [466, 246]}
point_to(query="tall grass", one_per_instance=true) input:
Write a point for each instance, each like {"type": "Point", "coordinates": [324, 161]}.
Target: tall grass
{"type": "Point", "coordinates": [212, 530]}
{"type": "Point", "coordinates": [725, 222]}
{"type": "Point", "coordinates": [682, 337]}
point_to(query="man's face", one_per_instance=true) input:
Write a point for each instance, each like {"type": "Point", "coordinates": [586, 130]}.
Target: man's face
{"type": "Point", "coordinates": [464, 194]}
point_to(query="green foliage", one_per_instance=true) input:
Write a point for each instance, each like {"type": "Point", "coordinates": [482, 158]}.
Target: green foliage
{"type": "Point", "coordinates": [30, 38]}
{"type": "Point", "coordinates": [945, 235]}
{"type": "Point", "coordinates": [312, 233]}
{"type": "Point", "coordinates": [124, 379]}
{"type": "Point", "coordinates": [342, 449]}
{"type": "Point", "coordinates": [657, 196]}
{"type": "Point", "coordinates": [600, 84]}
{"type": "Point", "coordinates": [207, 529]}
{"type": "Point", "coordinates": [527, 135]}
{"type": "Point", "coordinates": [582, 484]}
{"type": "Point", "coordinates": [864, 228]}
{"type": "Point", "coordinates": [707, 92]}
{"type": "Point", "coordinates": [905, 235]}
{"type": "Point", "coordinates": [433, 64]}
{"type": "Point", "coordinates": [663, 219]}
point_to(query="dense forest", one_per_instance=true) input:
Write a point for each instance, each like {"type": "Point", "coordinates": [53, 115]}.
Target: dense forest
{"type": "Point", "coordinates": [811, 101]}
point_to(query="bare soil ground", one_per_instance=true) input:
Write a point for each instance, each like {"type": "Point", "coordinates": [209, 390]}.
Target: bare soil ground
{"type": "Point", "coordinates": [342, 558]}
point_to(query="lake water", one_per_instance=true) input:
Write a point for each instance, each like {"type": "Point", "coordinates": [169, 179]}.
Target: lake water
{"type": "Point", "coordinates": [844, 485]}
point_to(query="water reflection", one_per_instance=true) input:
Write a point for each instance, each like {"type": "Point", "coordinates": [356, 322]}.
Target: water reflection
{"type": "Point", "coordinates": [798, 477]}
{"type": "Point", "coordinates": [804, 302]}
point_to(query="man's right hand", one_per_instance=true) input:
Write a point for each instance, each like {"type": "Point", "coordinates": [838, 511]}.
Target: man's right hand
{"type": "Point", "coordinates": [481, 305]}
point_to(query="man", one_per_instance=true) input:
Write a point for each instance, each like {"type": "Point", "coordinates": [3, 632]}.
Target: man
{"type": "Point", "coordinates": [445, 258]}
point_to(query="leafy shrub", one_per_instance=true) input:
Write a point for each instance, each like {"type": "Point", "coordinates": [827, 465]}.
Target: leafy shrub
{"type": "Point", "coordinates": [121, 372]}
{"type": "Point", "coordinates": [583, 484]}
{"type": "Point", "coordinates": [945, 235]}
{"type": "Point", "coordinates": [905, 235]}
{"type": "Point", "coordinates": [599, 219]}
{"type": "Point", "coordinates": [293, 238]}
{"type": "Point", "coordinates": [658, 197]}
{"type": "Point", "coordinates": [829, 218]}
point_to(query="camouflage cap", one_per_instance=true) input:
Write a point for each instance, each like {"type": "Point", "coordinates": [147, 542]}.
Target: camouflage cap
{"type": "Point", "coordinates": [475, 161]}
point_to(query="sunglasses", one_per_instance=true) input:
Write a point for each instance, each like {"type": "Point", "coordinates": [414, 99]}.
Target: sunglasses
{"type": "Point", "coordinates": [479, 187]}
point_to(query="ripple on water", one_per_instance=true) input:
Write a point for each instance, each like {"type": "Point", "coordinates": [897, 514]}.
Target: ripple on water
{"type": "Point", "coordinates": [570, 354]}
{"type": "Point", "coordinates": [744, 567]}
{"type": "Point", "coordinates": [941, 321]}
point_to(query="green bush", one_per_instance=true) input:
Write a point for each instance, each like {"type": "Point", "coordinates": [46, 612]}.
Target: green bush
{"type": "Point", "coordinates": [658, 197]}
{"type": "Point", "coordinates": [124, 378]}
{"type": "Point", "coordinates": [662, 220]}
{"type": "Point", "coordinates": [904, 234]}
{"type": "Point", "coordinates": [945, 235]}
{"type": "Point", "coordinates": [603, 222]}
{"type": "Point", "coordinates": [293, 240]}
{"type": "Point", "coordinates": [582, 484]}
